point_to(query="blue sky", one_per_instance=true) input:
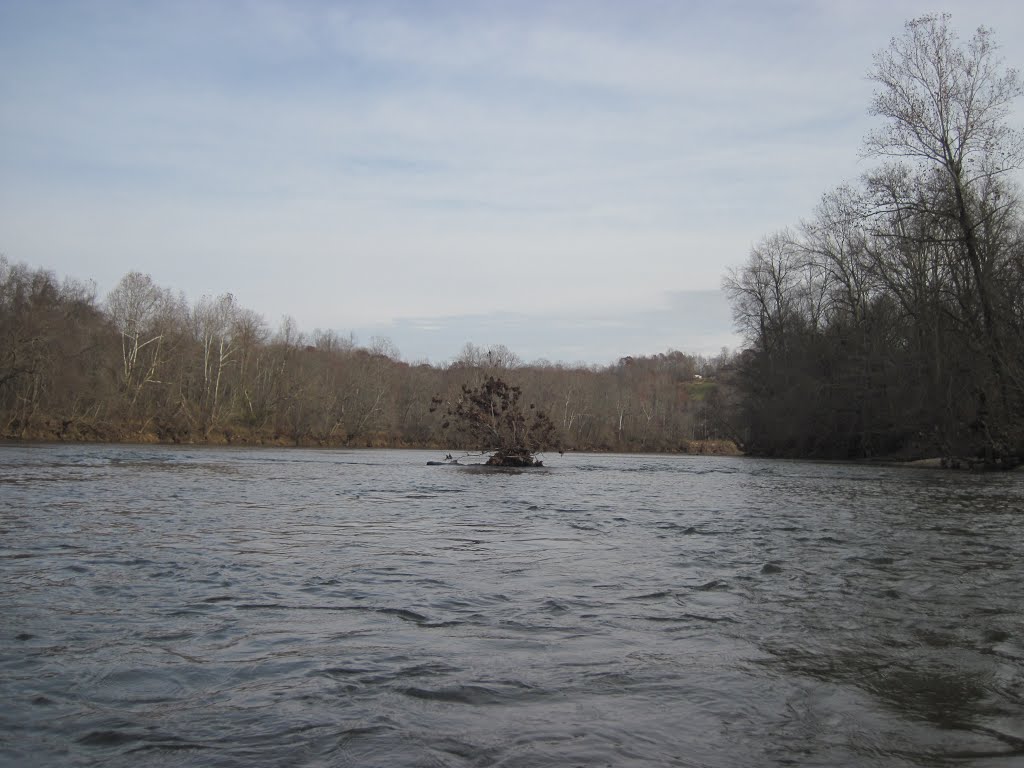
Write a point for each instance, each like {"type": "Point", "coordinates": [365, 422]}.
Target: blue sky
{"type": "Point", "coordinates": [570, 179]}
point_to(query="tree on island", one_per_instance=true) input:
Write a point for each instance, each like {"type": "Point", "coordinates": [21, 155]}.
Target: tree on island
{"type": "Point", "coordinates": [490, 419]}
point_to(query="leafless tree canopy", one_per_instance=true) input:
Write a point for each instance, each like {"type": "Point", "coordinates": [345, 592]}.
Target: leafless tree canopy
{"type": "Point", "coordinates": [891, 321]}
{"type": "Point", "coordinates": [145, 365]}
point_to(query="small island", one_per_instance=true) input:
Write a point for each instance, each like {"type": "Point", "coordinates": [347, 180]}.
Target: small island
{"type": "Point", "coordinates": [490, 418]}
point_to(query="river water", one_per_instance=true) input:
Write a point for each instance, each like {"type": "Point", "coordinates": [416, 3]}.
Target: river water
{"type": "Point", "coordinates": [219, 607]}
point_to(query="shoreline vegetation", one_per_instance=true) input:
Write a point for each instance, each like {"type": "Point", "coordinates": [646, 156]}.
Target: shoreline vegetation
{"type": "Point", "coordinates": [107, 435]}
{"type": "Point", "coordinates": [145, 365]}
{"type": "Point", "coordinates": [890, 321]}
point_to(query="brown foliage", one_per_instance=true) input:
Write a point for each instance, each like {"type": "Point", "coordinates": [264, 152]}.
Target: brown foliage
{"type": "Point", "coordinates": [72, 368]}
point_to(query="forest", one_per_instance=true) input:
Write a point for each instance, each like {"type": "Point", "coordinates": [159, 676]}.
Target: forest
{"type": "Point", "coordinates": [143, 364]}
{"type": "Point", "coordinates": [891, 321]}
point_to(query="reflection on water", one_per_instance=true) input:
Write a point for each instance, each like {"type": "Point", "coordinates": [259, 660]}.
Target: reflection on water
{"type": "Point", "coordinates": [263, 607]}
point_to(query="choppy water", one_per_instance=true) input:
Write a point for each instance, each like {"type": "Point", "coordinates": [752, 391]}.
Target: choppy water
{"type": "Point", "coordinates": [165, 606]}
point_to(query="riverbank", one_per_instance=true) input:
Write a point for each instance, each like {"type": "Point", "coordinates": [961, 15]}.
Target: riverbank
{"type": "Point", "coordinates": [1012, 463]}
{"type": "Point", "coordinates": [155, 434]}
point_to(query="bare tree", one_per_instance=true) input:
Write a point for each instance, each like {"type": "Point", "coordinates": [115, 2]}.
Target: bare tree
{"type": "Point", "coordinates": [946, 107]}
{"type": "Point", "coordinates": [763, 292]}
{"type": "Point", "coordinates": [214, 327]}
{"type": "Point", "coordinates": [835, 239]}
{"type": "Point", "coordinates": [140, 309]}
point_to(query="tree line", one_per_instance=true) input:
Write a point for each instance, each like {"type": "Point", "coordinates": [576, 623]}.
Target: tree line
{"type": "Point", "coordinates": [144, 364]}
{"type": "Point", "coordinates": [891, 321]}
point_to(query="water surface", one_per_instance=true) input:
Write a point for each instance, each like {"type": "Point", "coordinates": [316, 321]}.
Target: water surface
{"type": "Point", "coordinates": [218, 607]}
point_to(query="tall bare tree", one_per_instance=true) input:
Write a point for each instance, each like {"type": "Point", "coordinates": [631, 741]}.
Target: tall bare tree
{"type": "Point", "coordinates": [141, 311]}
{"type": "Point", "coordinates": [947, 108]}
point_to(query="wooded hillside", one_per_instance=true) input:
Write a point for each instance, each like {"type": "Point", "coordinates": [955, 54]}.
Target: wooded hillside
{"type": "Point", "coordinates": [144, 364]}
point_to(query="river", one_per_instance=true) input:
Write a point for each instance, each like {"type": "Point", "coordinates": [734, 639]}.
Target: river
{"type": "Point", "coordinates": [262, 607]}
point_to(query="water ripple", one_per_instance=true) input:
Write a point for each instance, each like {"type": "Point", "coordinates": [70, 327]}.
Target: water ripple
{"type": "Point", "coordinates": [238, 607]}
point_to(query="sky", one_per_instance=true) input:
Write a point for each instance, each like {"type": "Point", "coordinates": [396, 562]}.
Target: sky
{"type": "Point", "coordinates": [568, 179]}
